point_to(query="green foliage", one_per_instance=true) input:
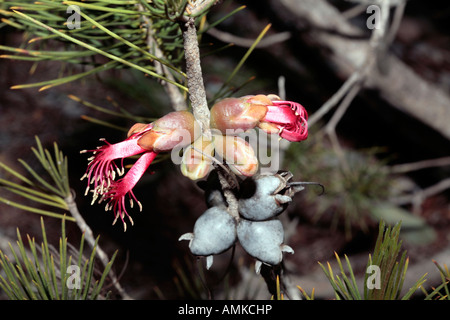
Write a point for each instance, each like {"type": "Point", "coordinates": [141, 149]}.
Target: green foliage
{"type": "Point", "coordinates": [385, 256]}
{"type": "Point", "coordinates": [39, 189]}
{"type": "Point", "coordinates": [133, 34]}
{"type": "Point", "coordinates": [415, 229]}
{"type": "Point", "coordinates": [442, 292]}
{"type": "Point", "coordinates": [113, 29]}
{"type": "Point", "coordinates": [390, 264]}
{"type": "Point", "coordinates": [445, 277]}
{"type": "Point", "coordinates": [122, 113]}
{"type": "Point", "coordinates": [305, 294]}
{"type": "Point", "coordinates": [41, 273]}
{"type": "Point", "coordinates": [345, 288]}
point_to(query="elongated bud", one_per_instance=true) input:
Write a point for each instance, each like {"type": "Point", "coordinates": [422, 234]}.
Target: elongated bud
{"type": "Point", "coordinates": [175, 129]}
{"type": "Point", "coordinates": [238, 154]}
{"type": "Point", "coordinates": [197, 159]}
{"type": "Point", "coordinates": [237, 113]}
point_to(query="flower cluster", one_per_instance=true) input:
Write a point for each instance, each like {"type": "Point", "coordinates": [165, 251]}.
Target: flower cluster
{"type": "Point", "coordinates": [234, 115]}
{"type": "Point", "coordinates": [180, 130]}
{"type": "Point", "coordinates": [261, 199]}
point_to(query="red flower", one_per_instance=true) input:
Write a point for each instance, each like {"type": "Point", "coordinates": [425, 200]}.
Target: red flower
{"type": "Point", "coordinates": [102, 169]}
{"type": "Point", "coordinates": [289, 118]}
{"type": "Point", "coordinates": [286, 118]}
{"type": "Point", "coordinates": [174, 129]}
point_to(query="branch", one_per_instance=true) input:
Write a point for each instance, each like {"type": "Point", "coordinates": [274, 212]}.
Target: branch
{"type": "Point", "coordinates": [89, 236]}
{"type": "Point", "coordinates": [197, 93]}
{"type": "Point", "coordinates": [227, 188]}
{"type": "Point", "coordinates": [376, 48]}
{"type": "Point", "coordinates": [407, 167]}
{"type": "Point", "coordinates": [398, 83]}
{"type": "Point", "coordinates": [247, 43]}
{"type": "Point", "coordinates": [335, 98]}
{"type": "Point", "coordinates": [419, 196]}
{"type": "Point", "coordinates": [176, 97]}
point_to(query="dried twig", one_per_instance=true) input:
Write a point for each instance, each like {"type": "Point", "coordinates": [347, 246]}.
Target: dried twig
{"type": "Point", "coordinates": [419, 196]}
{"type": "Point", "coordinates": [247, 43]}
{"type": "Point", "coordinates": [408, 167]}
{"type": "Point", "coordinates": [401, 87]}
{"type": "Point", "coordinates": [352, 86]}
{"type": "Point", "coordinates": [177, 98]}
{"type": "Point", "coordinates": [197, 94]}
{"type": "Point", "coordinates": [227, 188]}
{"type": "Point", "coordinates": [335, 98]}
{"type": "Point", "coordinates": [376, 41]}
{"type": "Point", "coordinates": [89, 236]}
{"type": "Point", "coordinates": [342, 109]}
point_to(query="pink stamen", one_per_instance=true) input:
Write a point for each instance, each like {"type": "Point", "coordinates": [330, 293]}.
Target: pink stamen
{"type": "Point", "coordinates": [120, 188]}
{"type": "Point", "coordinates": [102, 168]}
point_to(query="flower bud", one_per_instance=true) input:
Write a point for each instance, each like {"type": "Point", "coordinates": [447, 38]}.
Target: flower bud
{"type": "Point", "coordinates": [237, 153]}
{"type": "Point", "coordinates": [196, 162]}
{"type": "Point", "coordinates": [237, 114]}
{"type": "Point", "coordinates": [175, 129]}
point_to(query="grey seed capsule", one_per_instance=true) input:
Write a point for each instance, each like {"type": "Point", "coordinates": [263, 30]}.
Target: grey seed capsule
{"type": "Point", "coordinates": [214, 232]}
{"type": "Point", "coordinates": [263, 240]}
{"type": "Point", "coordinates": [259, 200]}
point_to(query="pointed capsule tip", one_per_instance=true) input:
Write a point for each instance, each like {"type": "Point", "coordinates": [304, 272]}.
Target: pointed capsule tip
{"type": "Point", "coordinates": [258, 265]}
{"type": "Point", "coordinates": [282, 199]}
{"type": "Point", "coordinates": [286, 248]}
{"type": "Point", "coordinates": [187, 236]}
{"type": "Point", "coordinates": [209, 261]}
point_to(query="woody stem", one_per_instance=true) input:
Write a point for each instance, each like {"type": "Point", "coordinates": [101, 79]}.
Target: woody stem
{"type": "Point", "coordinates": [197, 93]}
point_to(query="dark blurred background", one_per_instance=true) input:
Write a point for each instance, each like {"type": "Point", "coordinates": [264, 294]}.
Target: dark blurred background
{"type": "Point", "coordinates": [150, 255]}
